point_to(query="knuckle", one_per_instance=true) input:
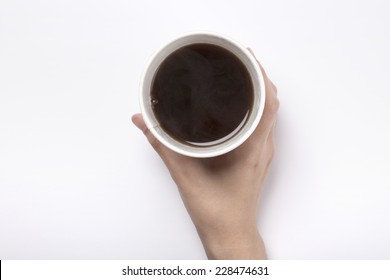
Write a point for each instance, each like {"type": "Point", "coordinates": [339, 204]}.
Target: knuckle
{"type": "Point", "coordinates": [274, 105]}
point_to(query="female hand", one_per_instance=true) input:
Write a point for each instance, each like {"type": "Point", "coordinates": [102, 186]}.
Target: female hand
{"type": "Point", "coordinates": [221, 193]}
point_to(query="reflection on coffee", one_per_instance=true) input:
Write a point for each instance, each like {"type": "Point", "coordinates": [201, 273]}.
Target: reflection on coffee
{"type": "Point", "coordinates": [202, 94]}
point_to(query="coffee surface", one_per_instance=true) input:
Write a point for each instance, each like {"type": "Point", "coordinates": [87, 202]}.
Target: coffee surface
{"type": "Point", "coordinates": [201, 94]}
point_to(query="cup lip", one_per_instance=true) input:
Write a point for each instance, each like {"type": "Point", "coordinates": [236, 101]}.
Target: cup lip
{"type": "Point", "coordinates": [211, 151]}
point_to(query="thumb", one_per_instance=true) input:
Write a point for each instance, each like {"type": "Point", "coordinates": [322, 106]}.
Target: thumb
{"type": "Point", "coordinates": [170, 158]}
{"type": "Point", "coordinates": [140, 123]}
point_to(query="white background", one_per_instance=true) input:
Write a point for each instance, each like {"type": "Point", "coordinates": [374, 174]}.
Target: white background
{"type": "Point", "coordinates": [78, 181]}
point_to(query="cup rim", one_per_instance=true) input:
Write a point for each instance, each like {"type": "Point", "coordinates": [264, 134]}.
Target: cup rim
{"type": "Point", "coordinates": [246, 58]}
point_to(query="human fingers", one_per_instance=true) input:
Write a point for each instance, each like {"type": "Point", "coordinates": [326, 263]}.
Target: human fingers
{"type": "Point", "coordinates": [139, 122]}
{"type": "Point", "coordinates": [173, 160]}
{"type": "Point", "coordinates": [271, 100]}
{"type": "Point", "coordinates": [270, 108]}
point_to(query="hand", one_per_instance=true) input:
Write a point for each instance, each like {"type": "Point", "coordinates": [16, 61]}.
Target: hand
{"type": "Point", "coordinates": [221, 193]}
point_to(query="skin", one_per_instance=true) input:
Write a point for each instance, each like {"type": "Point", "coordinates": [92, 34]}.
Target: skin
{"type": "Point", "coordinates": [221, 194]}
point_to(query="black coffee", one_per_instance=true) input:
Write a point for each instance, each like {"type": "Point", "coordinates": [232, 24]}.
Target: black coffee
{"type": "Point", "coordinates": [201, 94]}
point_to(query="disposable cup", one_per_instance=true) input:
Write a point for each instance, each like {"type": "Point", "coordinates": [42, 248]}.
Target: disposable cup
{"type": "Point", "coordinates": [234, 139]}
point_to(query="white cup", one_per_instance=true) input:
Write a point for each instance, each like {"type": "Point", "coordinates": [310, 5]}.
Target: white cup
{"type": "Point", "coordinates": [233, 141]}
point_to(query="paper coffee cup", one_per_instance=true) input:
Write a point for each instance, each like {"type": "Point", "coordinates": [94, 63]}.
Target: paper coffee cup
{"type": "Point", "coordinates": [233, 140]}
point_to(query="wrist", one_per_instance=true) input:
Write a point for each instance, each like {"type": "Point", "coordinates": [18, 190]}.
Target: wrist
{"type": "Point", "coordinates": [243, 242]}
